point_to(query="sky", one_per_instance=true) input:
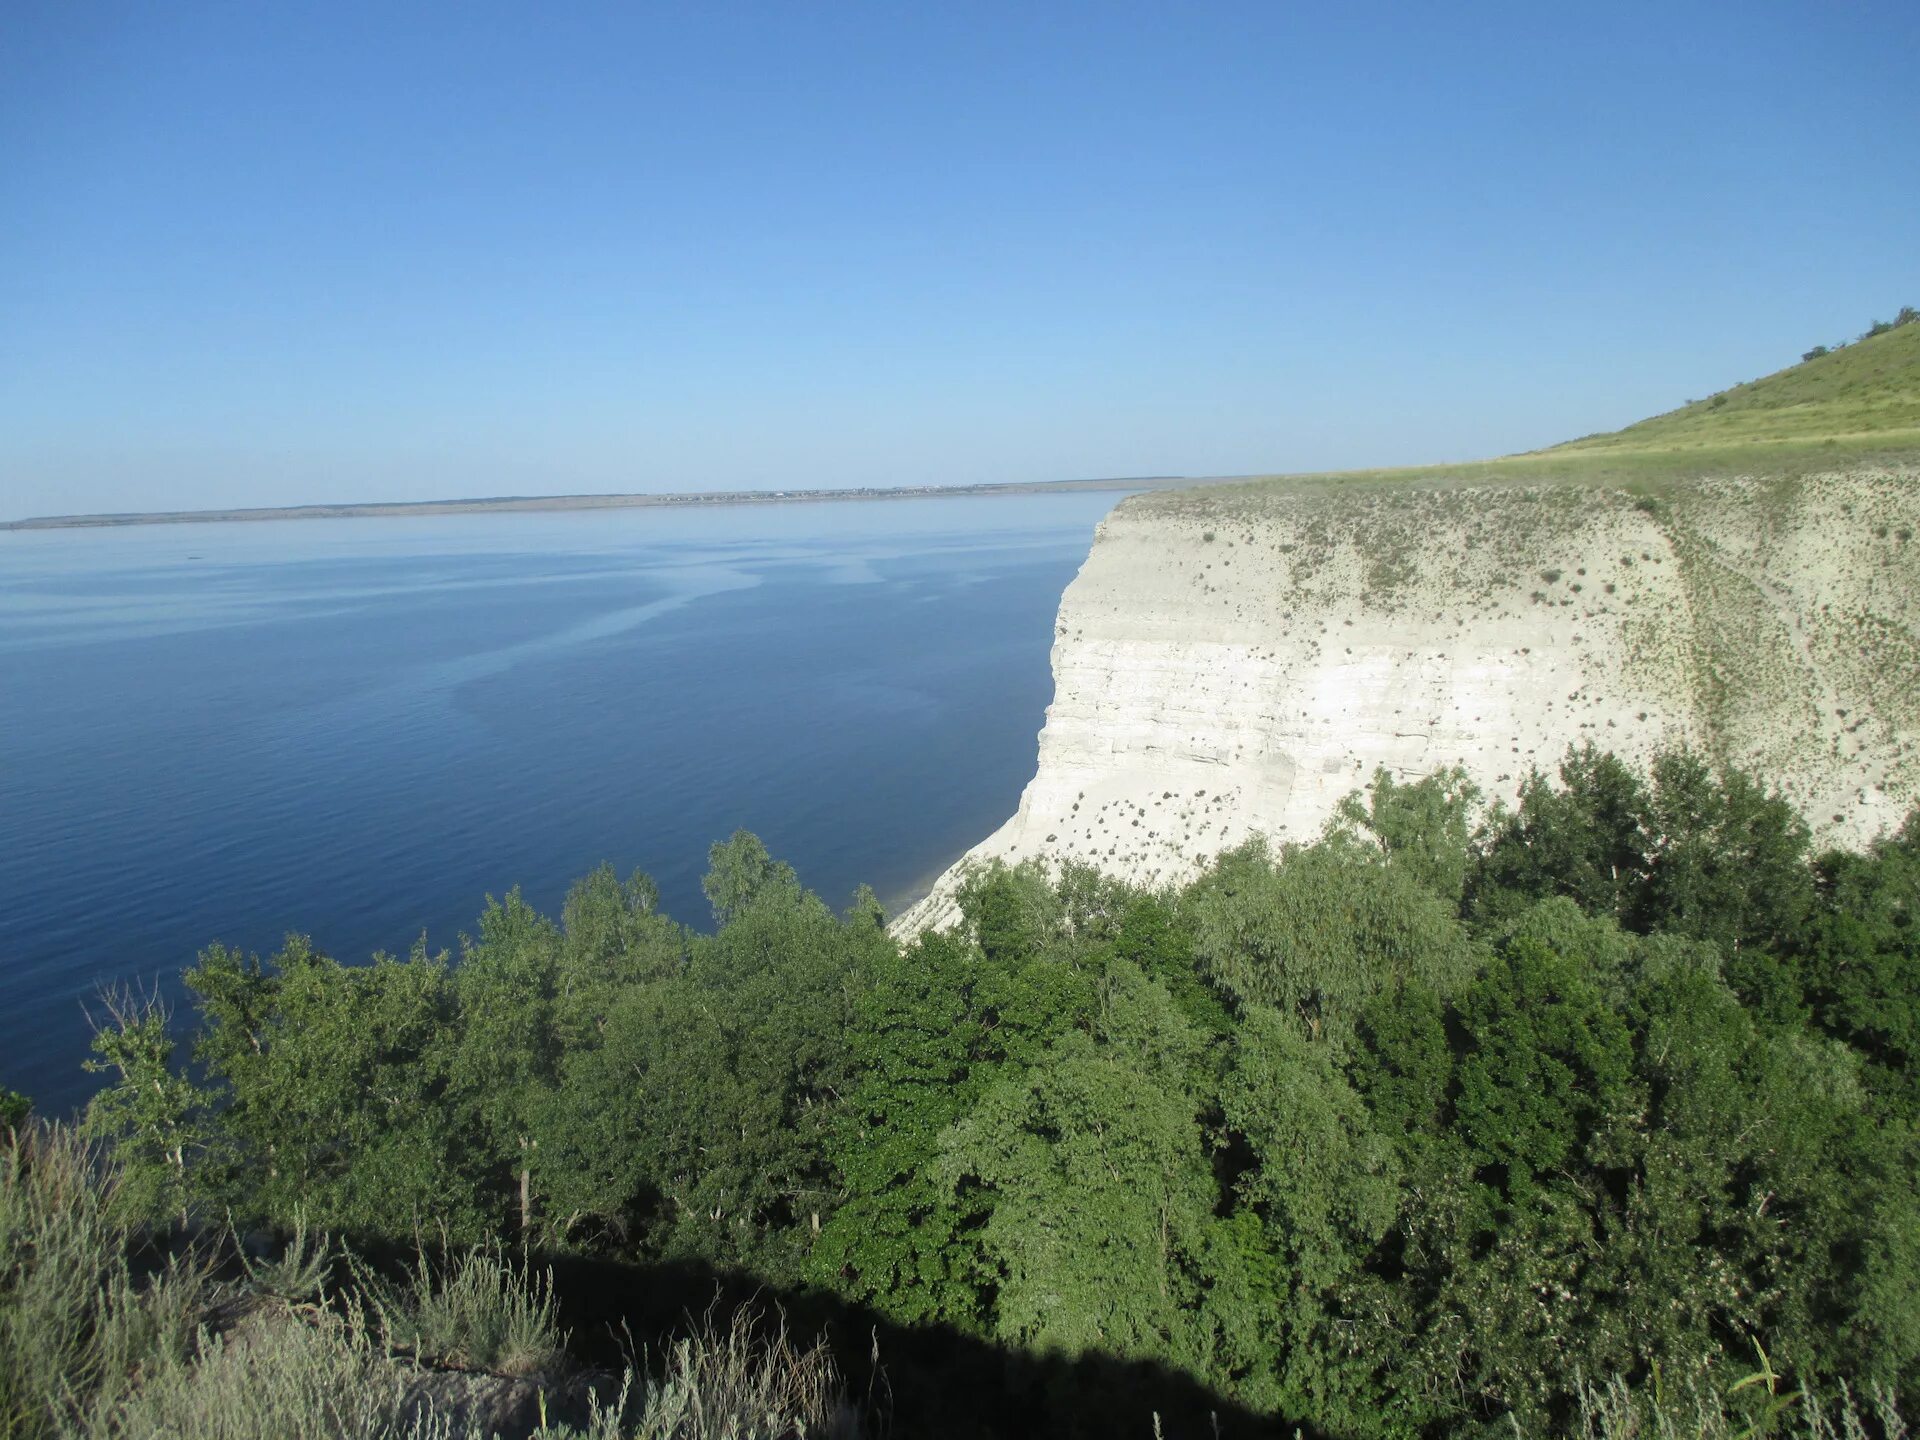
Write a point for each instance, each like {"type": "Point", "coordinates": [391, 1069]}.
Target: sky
{"type": "Point", "coordinates": [263, 254]}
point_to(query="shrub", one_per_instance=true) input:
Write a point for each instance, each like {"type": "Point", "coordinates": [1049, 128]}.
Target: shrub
{"type": "Point", "coordinates": [74, 1325]}
{"type": "Point", "coordinates": [1617, 1411]}
{"type": "Point", "coordinates": [276, 1374]}
{"type": "Point", "coordinates": [734, 1385]}
{"type": "Point", "coordinates": [479, 1311]}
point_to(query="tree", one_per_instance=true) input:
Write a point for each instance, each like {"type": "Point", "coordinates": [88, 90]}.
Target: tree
{"type": "Point", "coordinates": [1547, 1066]}
{"type": "Point", "coordinates": [1727, 863]}
{"type": "Point", "coordinates": [1325, 1186]}
{"type": "Point", "coordinates": [505, 1064]}
{"type": "Point", "coordinates": [1012, 911]}
{"type": "Point", "coordinates": [1101, 1192]}
{"type": "Point", "coordinates": [866, 908]}
{"type": "Point", "coordinates": [154, 1117]}
{"type": "Point", "coordinates": [697, 1123]}
{"type": "Point", "coordinates": [614, 936]}
{"type": "Point", "coordinates": [1861, 964]}
{"type": "Point", "coordinates": [1424, 828]}
{"type": "Point", "coordinates": [1323, 930]}
{"type": "Point", "coordinates": [332, 1084]}
{"type": "Point", "coordinates": [738, 870]}
{"type": "Point", "coordinates": [1584, 839]}
{"type": "Point", "coordinates": [924, 1052]}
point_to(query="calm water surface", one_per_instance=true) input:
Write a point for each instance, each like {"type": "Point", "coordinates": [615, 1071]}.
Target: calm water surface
{"type": "Point", "coordinates": [359, 728]}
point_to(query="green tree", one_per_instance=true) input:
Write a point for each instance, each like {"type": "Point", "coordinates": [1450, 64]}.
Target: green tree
{"type": "Point", "coordinates": [333, 1090]}
{"type": "Point", "coordinates": [1547, 1068]}
{"type": "Point", "coordinates": [1861, 962]}
{"type": "Point", "coordinates": [1102, 1192]}
{"type": "Point", "coordinates": [1322, 930]}
{"type": "Point", "coordinates": [697, 1125]}
{"type": "Point", "coordinates": [505, 1063]}
{"type": "Point", "coordinates": [1012, 911]}
{"type": "Point", "coordinates": [1727, 859]}
{"type": "Point", "coordinates": [924, 1051]}
{"type": "Point", "coordinates": [1424, 827]}
{"type": "Point", "coordinates": [154, 1117]}
{"type": "Point", "coordinates": [613, 937]}
{"type": "Point", "coordinates": [1325, 1186]}
{"type": "Point", "coordinates": [1584, 839]}
{"type": "Point", "coordinates": [739, 869]}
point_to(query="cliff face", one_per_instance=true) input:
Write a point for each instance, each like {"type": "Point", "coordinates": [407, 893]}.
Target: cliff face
{"type": "Point", "coordinates": [1234, 661]}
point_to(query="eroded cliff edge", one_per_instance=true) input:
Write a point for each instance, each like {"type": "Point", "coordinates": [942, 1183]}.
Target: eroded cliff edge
{"type": "Point", "coordinates": [1236, 660]}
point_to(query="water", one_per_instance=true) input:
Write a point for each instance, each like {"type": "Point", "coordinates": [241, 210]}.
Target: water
{"type": "Point", "coordinates": [358, 729]}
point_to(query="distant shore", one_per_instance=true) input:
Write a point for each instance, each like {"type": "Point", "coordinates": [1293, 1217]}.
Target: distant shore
{"type": "Point", "coordinates": [516, 503]}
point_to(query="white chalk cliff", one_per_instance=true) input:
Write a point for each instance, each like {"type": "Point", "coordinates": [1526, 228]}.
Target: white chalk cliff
{"type": "Point", "coordinates": [1233, 661]}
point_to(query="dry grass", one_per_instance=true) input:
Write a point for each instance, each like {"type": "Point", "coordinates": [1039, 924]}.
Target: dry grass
{"type": "Point", "coordinates": [478, 1311]}
{"type": "Point", "coordinates": [95, 1347]}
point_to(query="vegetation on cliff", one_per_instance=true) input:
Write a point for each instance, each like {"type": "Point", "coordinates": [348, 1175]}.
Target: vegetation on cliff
{"type": "Point", "coordinates": [1866, 393]}
{"type": "Point", "coordinates": [1853, 406]}
{"type": "Point", "coordinates": [1444, 1124]}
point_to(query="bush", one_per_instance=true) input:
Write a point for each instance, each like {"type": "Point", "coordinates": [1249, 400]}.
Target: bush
{"type": "Point", "coordinates": [1617, 1411]}
{"type": "Point", "coordinates": [479, 1312]}
{"type": "Point", "coordinates": [74, 1325]}
{"type": "Point", "coordinates": [276, 1374]}
{"type": "Point", "coordinates": [733, 1384]}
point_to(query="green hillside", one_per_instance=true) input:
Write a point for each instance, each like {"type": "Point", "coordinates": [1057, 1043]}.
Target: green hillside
{"type": "Point", "coordinates": [1867, 391]}
{"type": "Point", "coordinates": [1852, 408]}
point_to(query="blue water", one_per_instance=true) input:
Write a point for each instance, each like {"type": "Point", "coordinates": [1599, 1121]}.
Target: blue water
{"type": "Point", "coordinates": [358, 729]}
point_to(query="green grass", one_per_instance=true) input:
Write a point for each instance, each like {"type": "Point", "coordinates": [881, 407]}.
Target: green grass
{"type": "Point", "coordinates": [1857, 407]}
{"type": "Point", "coordinates": [1867, 392]}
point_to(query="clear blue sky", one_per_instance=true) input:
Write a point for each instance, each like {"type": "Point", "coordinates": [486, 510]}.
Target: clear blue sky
{"type": "Point", "coordinates": [262, 253]}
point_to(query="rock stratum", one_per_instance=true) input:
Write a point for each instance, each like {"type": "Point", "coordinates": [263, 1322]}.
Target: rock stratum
{"type": "Point", "coordinates": [1234, 661]}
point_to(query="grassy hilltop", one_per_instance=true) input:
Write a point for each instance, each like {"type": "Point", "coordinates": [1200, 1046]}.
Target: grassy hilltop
{"type": "Point", "coordinates": [1864, 394]}
{"type": "Point", "coordinates": [1852, 407]}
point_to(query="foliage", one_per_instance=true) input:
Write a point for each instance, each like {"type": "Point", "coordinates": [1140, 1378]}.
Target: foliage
{"type": "Point", "coordinates": [1404, 1131]}
{"type": "Point", "coordinates": [150, 1111]}
{"type": "Point", "coordinates": [478, 1311]}
{"type": "Point", "coordinates": [99, 1343]}
{"type": "Point", "coordinates": [1322, 929]}
{"type": "Point", "coordinates": [76, 1326]}
{"type": "Point", "coordinates": [739, 1384]}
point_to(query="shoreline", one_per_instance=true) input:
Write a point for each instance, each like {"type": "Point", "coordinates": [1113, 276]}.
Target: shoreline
{"type": "Point", "coordinates": [518, 504]}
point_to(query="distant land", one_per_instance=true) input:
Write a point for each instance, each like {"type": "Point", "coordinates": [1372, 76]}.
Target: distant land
{"type": "Point", "coordinates": [495, 503]}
